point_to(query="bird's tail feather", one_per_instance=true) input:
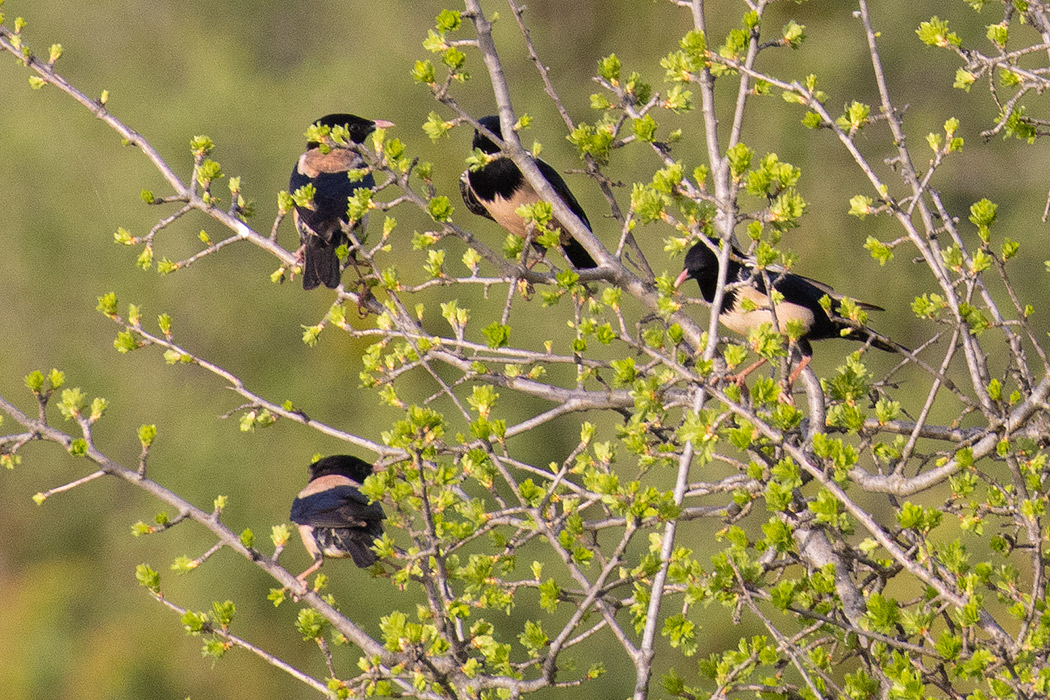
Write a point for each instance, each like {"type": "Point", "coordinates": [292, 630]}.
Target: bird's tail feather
{"type": "Point", "coordinates": [360, 551]}
{"type": "Point", "coordinates": [578, 255]}
{"type": "Point", "coordinates": [875, 339]}
{"type": "Point", "coordinates": [320, 264]}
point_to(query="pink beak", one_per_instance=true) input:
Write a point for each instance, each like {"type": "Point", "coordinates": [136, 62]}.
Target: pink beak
{"type": "Point", "coordinates": [681, 279]}
{"type": "Point", "coordinates": [382, 124]}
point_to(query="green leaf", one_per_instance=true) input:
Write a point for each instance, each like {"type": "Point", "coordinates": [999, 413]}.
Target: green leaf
{"type": "Point", "coordinates": [626, 372]}
{"type": "Point", "coordinates": [983, 215]}
{"type": "Point", "coordinates": [609, 68]}
{"type": "Point", "coordinates": [678, 99]}
{"type": "Point", "coordinates": [964, 79]}
{"type": "Point", "coordinates": [423, 72]}
{"type": "Point", "coordinates": [649, 203]}
{"type": "Point", "coordinates": [107, 305]}
{"type": "Point", "coordinates": [224, 613]}
{"type": "Point", "coordinates": [201, 145]}
{"type": "Point", "coordinates": [98, 408]}
{"type": "Point", "coordinates": [883, 613]}
{"type": "Point", "coordinates": [860, 207]}
{"type": "Point", "coordinates": [72, 403]}
{"type": "Point", "coordinates": [998, 34]}
{"type": "Point", "coordinates": [279, 535]}
{"type": "Point", "coordinates": [1010, 248]}
{"type": "Point", "coordinates": [645, 128]}
{"type": "Point", "coordinates": [879, 250]}
{"type": "Point", "coordinates": [34, 381]}
{"type": "Point", "coordinates": [148, 578]}
{"type": "Point", "coordinates": [595, 141]}
{"type": "Point", "coordinates": [534, 639]}
{"type": "Point", "coordinates": [1019, 126]}
{"type": "Point", "coordinates": [311, 624]}
{"type": "Point", "coordinates": [887, 410]}
{"type": "Point", "coordinates": [793, 34]}
{"type": "Point", "coordinates": [935, 33]}
{"type": "Point", "coordinates": [739, 159]}
{"type": "Point", "coordinates": [497, 335]}
{"type": "Point", "coordinates": [682, 633]}
{"type": "Point", "coordinates": [439, 208]}
{"type": "Point", "coordinates": [56, 378]}
{"type": "Point", "coordinates": [453, 58]}
{"type": "Point", "coordinates": [448, 20]}
{"type": "Point", "coordinates": [435, 127]}
{"type": "Point", "coordinates": [209, 170]}
{"type": "Point", "coordinates": [949, 645]}
{"type": "Point", "coordinates": [855, 117]}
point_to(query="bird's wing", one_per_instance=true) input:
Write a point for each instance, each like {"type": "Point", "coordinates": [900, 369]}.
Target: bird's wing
{"type": "Point", "coordinates": [827, 289]}
{"type": "Point", "coordinates": [799, 287]}
{"type": "Point", "coordinates": [558, 183]}
{"type": "Point", "coordinates": [341, 506]}
{"type": "Point", "coordinates": [470, 199]}
{"type": "Point", "coordinates": [801, 290]}
{"type": "Point", "coordinates": [332, 189]}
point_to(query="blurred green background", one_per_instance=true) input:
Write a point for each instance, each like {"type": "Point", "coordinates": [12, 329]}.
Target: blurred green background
{"type": "Point", "coordinates": [252, 76]}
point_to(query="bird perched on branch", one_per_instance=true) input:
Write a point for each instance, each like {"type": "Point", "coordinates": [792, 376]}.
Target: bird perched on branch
{"type": "Point", "coordinates": [498, 188]}
{"type": "Point", "coordinates": [323, 223]}
{"type": "Point", "coordinates": [746, 304]}
{"type": "Point", "coordinates": [335, 519]}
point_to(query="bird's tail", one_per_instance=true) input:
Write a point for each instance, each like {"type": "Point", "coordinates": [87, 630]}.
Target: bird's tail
{"type": "Point", "coordinates": [577, 254]}
{"type": "Point", "coordinates": [357, 542]}
{"type": "Point", "coordinates": [320, 264]}
{"type": "Point", "coordinates": [361, 552]}
{"type": "Point", "coordinates": [875, 339]}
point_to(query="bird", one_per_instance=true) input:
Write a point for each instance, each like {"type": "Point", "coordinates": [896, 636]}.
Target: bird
{"type": "Point", "coordinates": [335, 519]}
{"type": "Point", "coordinates": [801, 302]}
{"type": "Point", "coordinates": [498, 188]}
{"type": "Point", "coordinates": [321, 224]}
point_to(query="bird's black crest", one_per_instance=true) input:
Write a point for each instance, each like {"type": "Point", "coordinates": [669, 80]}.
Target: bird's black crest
{"type": "Point", "coordinates": [358, 127]}
{"type": "Point", "coordinates": [700, 259]}
{"type": "Point", "coordinates": [482, 141]}
{"type": "Point", "coordinates": [702, 265]}
{"type": "Point", "coordinates": [343, 465]}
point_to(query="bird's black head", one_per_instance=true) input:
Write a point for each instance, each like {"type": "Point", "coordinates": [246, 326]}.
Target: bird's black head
{"type": "Point", "coordinates": [358, 127]}
{"type": "Point", "coordinates": [700, 262]}
{"type": "Point", "coordinates": [343, 465]}
{"type": "Point", "coordinates": [483, 142]}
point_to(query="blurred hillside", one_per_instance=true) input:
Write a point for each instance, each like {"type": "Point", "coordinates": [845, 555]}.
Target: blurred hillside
{"type": "Point", "coordinates": [73, 622]}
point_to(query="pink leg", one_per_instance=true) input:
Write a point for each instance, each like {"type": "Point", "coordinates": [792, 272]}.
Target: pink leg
{"type": "Point", "coordinates": [739, 378]}
{"type": "Point", "coordinates": [316, 565]}
{"type": "Point", "coordinates": [798, 370]}
{"type": "Point", "coordinates": [785, 390]}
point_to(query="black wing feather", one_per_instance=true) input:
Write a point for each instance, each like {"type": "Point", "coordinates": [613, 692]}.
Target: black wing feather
{"type": "Point", "coordinates": [321, 227]}
{"type": "Point", "coordinates": [474, 204]}
{"type": "Point", "coordinates": [558, 183]}
{"type": "Point", "coordinates": [806, 292]}
{"type": "Point", "coordinates": [338, 507]}
{"type": "Point", "coordinates": [573, 249]}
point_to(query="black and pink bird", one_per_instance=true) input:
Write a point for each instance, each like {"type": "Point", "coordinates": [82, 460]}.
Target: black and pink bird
{"type": "Point", "coordinates": [498, 188]}
{"type": "Point", "coordinates": [335, 519]}
{"type": "Point", "coordinates": [746, 304]}
{"type": "Point", "coordinates": [322, 226]}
